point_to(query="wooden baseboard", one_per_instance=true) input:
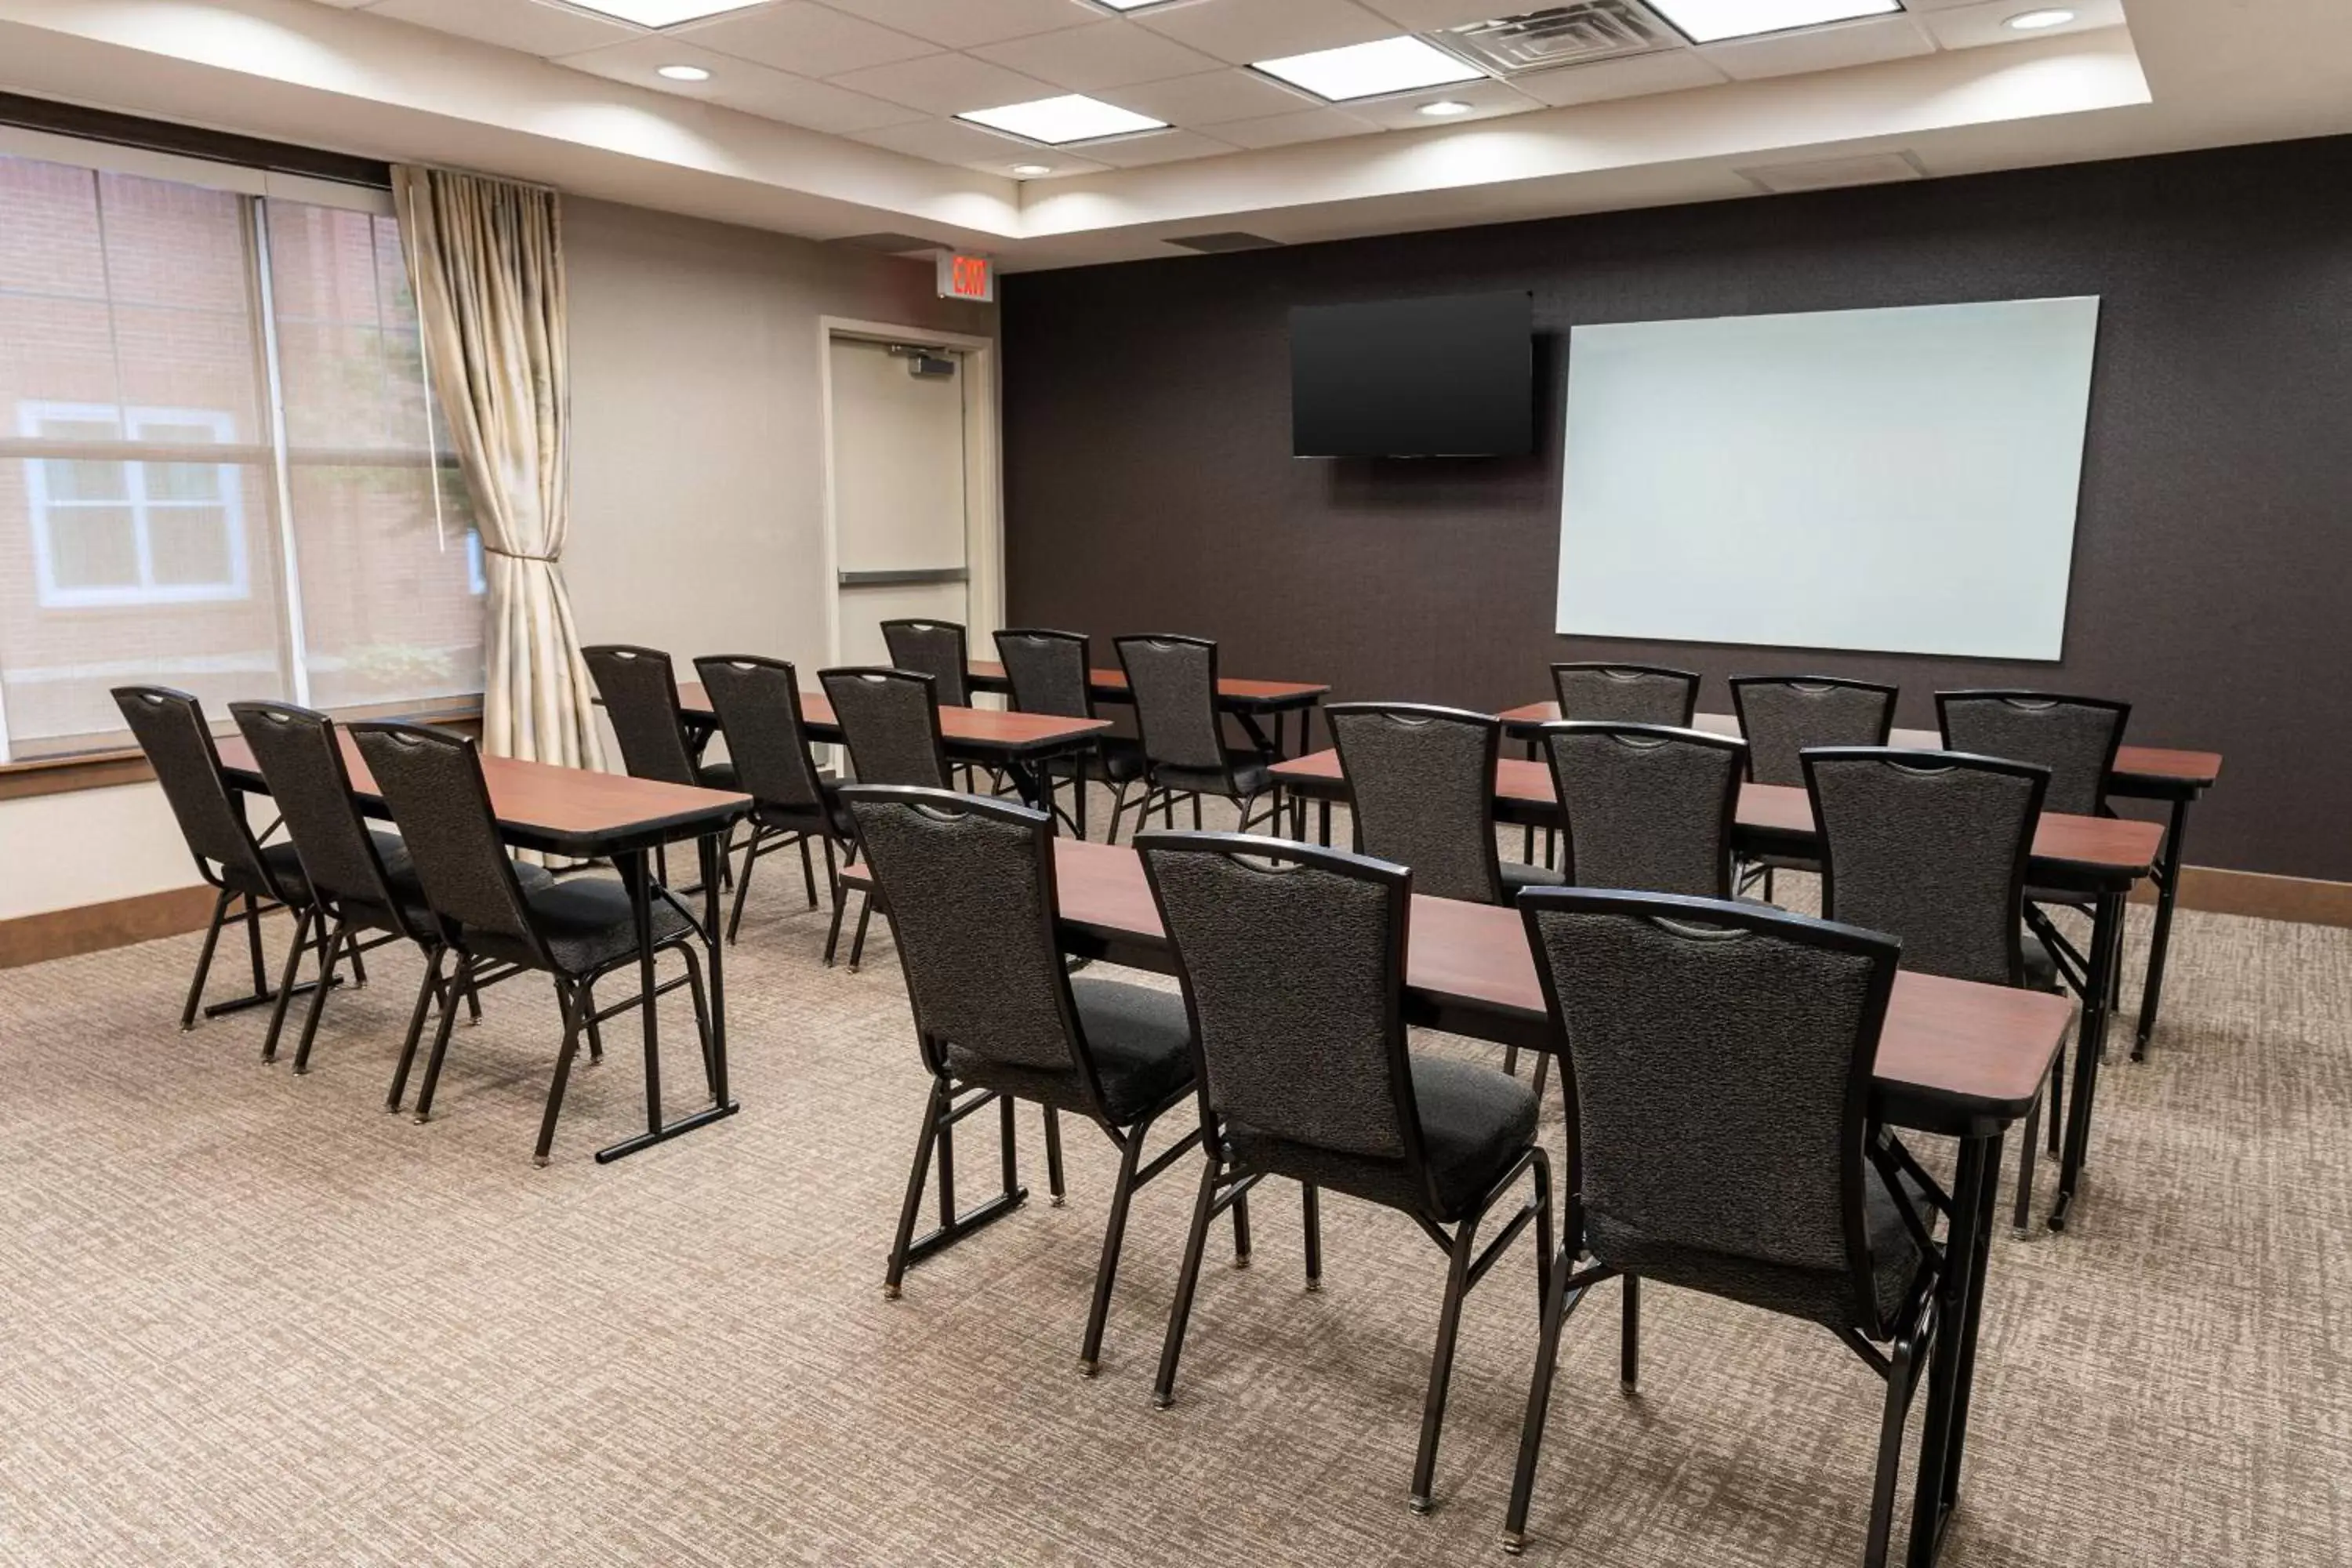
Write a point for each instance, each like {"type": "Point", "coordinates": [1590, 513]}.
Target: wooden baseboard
{"type": "Point", "coordinates": [92, 928]}
{"type": "Point", "coordinates": [2304, 900]}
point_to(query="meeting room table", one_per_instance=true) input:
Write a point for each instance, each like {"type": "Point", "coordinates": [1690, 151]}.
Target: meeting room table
{"type": "Point", "coordinates": [1249, 701]}
{"type": "Point", "coordinates": [2099, 857]}
{"type": "Point", "coordinates": [581, 814]}
{"type": "Point", "coordinates": [1956, 1059]}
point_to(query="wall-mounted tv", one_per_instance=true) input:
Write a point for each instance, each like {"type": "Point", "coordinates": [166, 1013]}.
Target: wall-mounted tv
{"type": "Point", "coordinates": [1452, 376]}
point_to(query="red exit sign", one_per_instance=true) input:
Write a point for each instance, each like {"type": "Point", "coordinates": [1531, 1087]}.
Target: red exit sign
{"type": "Point", "coordinates": [966, 278]}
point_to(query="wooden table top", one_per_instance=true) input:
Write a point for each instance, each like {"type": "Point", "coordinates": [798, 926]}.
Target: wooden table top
{"type": "Point", "coordinates": [2107, 844]}
{"type": "Point", "coordinates": [545, 806]}
{"type": "Point", "coordinates": [1952, 1052]}
{"type": "Point", "coordinates": [2155, 763]}
{"type": "Point", "coordinates": [1229, 688]}
{"type": "Point", "coordinates": [985, 729]}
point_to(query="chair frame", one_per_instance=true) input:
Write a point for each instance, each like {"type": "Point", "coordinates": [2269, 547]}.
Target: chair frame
{"type": "Point", "coordinates": [693, 740]}
{"type": "Point", "coordinates": [1226, 1183]}
{"type": "Point", "coordinates": [951, 1100]}
{"type": "Point", "coordinates": [1691, 681]}
{"type": "Point", "coordinates": [1049, 771]}
{"type": "Point", "coordinates": [1167, 796]}
{"type": "Point", "coordinates": [927, 624]}
{"type": "Point", "coordinates": [575, 993]}
{"type": "Point", "coordinates": [1739, 685]}
{"type": "Point", "coordinates": [1910, 1332]}
{"type": "Point", "coordinates": [774, 826]}
{"type": "Point", "coordinates": [1726, 828]}
{"type": "Point", "coordinates": [1429, 712]}
{"type": "Point", "coordinates": [883, 672]}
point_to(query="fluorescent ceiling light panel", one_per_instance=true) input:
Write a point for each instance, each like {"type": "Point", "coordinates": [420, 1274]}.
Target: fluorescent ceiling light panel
{"type": "Point", "coordinates": [1712, 21]}
{"type": "Point", "coordinates": [1371, 70]}
{"type": "Point", "coordinates": [1058, 120]}
{"type": "Point", "coordinates": [1129, 5]}
{"type": "Point", "coordinates": [663, 12]}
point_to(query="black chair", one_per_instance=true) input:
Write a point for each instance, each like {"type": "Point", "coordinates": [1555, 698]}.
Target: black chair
{"type": "Point", "coordinates": [1291, 959]}
{"type": "Point", "coordinates": [1052, 672]}
{"type": "Point", "coordinates": [969, 887]}
{"type": "Point", "coordinates": [1782, 715]}
{"type": "Point", "coordinates": [758, 701]}
{"type": "Point", "coordinates": [2076, 738]}
{"type": "Point", "coordinates": [1173, 681]}
{"type": "Point", "coordinates": [889, 720]}
{"type": "Point", "coordinates": [1931, 847]}
{"type": "Point", "coordinates": [1670, 1014]}
{"type": "Point", "coordinates": [170, 728]}
{"type": "Point", "coordinates": [576, 932]}
{"type": "Point", "coordinates": [941, 651]}
{"type": "Point", "coordinates": [1625, 693]}
{"type": "Point", "coordinates": [1649, 808]}
{"type": "Point", "coordinates": [1420, 788]}
{"type": "Point", "coordinates": [353, 879]}
{"type": "Point", "coordinates": [640, 694]}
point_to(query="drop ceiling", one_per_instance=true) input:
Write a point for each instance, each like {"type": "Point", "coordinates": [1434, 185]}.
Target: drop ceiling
{"type": "Point", "coordinates": [839, 118]}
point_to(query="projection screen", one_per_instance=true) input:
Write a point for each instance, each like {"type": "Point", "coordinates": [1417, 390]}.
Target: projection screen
{"type": "Point", "coordinates": [1895, 480]}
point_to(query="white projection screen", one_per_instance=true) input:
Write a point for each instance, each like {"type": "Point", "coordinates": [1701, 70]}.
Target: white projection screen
{"type": "Point", "coordinates": [1895, 481]}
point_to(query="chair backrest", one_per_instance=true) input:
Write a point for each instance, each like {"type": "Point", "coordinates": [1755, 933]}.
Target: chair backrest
{"type": "Point", "coordinates": [640, 696]}
{"type": "Point", "coordinates": [1421, 782]}
{"type": "Point", "coordinates": [935, 648]}
{"type": "Point", "coordinates": [1291, 959]}
{"type": "Point", "coordinates": [1719, 1060]}
{"type": "Point", "coordinates": [1781, 715]}
{"type": "Point", "coordinates": [1625, 694]}
{"type": "Point", "coordinates": [890, 721]}
{"type": "Point", "coordinates": [1931, 848]}
{"type": "Point", "coordinates": [302, 760]}
{"type": "Point", "coordinates": [1173, 681]}
{"type": "Point", "coordinates": [969, 887]}
{"type": "Point", "coordinates": [170, 728]}
{"type": "Point", "coordinates": [1050, 671]}
{"type": "Point", "coordinates": [432, 780]}
{"type": "Point", "coordinates": [2075, 738]}
{"type": "Point", "coordinates": [1649, 808]}
{"type": "Point", "coordinates": [758, 701]}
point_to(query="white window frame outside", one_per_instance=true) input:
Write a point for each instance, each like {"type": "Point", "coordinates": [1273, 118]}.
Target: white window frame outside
{"type": "Point", "coordinates": [132, 420]}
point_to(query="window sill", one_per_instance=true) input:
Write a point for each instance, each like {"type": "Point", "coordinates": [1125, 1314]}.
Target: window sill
{"type": "Point", "coordinates": [128, 765]}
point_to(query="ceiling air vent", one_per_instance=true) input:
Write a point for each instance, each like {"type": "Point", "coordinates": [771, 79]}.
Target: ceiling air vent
{"type": "Point", "coordinates": [1828, 173]}
{"type": "Point", "coordinates": [1563, 36]}
{"type": "Point", "coordinates": [1222, 240]}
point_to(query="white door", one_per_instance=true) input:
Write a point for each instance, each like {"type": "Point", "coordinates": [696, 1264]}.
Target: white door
{"type": "Point", "coordinates": [902, 527]}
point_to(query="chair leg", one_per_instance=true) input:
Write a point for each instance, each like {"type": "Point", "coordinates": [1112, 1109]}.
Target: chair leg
{"type": "Point", "coordinates": [344, 933]}
{"type": "Point", "coordinates": [359, 963]}
{"type": "Point", "coordinates": [1543, 1066]}
{"type": "Point", "coordinates": [473, 1001]}
{"type": "Point", "coordinates": [2021, 1220]}
{"type": "Point", "coordinates": [1196, 812]}
{"type": "Point", "coordinates": [840, 907]}
{"type": "Point", "coordinates": [701, 1017]}
{"type": "Point", "coordinates": [1901, 1381]}
{"type": "Point", "coordinates": [294, 950]}
{"type": "Point", "coordinates": [935, 1107]}
{"type": "Point", "coordinates": [429, 989]}
{"type": "Point", "coordinates": [1188, 1280]}
{"type": "Point", "coordinates": [1053, 1184]}
{"type": "Point", "coordinates": [1629, 1344]}
{"type": "Point", "coordinates": [572, 1013]}
{"type": "Point", "coordinates": [1122, 1194]}
{"type": "Point", "coordinates": [205, 962]}
{"type": "Point", "coordinates": [1310, 1205]}
{"type": "Point", "coordinates": [1241, 1231]}
{"type": "Point", "coordinates": [1117, 809]}
{"type": "Point", "coordinates": [2058, 1096]}
{"type": "Point", "coordinates": [252, 944]}
{"type": "Point", "coordinates": [1441, 1362]}
{"type": "Point", "coordinates": [808, 871]}
{"type": "Point", "coordinates": [1511, 1061]}
{"type": "Point", "coordinates": [857, 943]}
{"type": "Point", "coordinates": [433, 1061]}
{"type": "Point", "coordinates": [743, 882]}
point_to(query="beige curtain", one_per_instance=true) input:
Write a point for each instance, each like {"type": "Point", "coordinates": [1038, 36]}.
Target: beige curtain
{"type": "Point", "coordinates": [487, 260]}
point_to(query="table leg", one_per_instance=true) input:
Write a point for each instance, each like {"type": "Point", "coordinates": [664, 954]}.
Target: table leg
{"type": "Point", "coordinates": [1952, 1368]}
{"type": "Point", "coordinates": [2090, 1043]}
{"type": "Point", "coordinates": [1027, 777]}
{"type": "Point", "coordinates": [636, 875]}
{"type": "Point", "coordinates": [2167, 890]}
{"type": "Point", "coordinates": [1323, 821]}
{"type": "Point", "coordinates": [713, 857]}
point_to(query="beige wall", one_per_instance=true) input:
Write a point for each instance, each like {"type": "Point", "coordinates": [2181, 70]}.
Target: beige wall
{"type": "Point", "coordinates": [698, 485]}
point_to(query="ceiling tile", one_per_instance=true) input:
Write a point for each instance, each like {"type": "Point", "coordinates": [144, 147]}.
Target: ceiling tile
{"type": "Point", "coordinates": [1242, 31]}
{"type": "Point", "coordinates": [636, 61]}
{"type": "Point", "coordinates": [1160, 147]}
{"type": "Point", "coordinates": [1087, 59]}
{"type": "Point", "coordinates": [962, 24]}
{"type": "Point", "coordinates": [1967, 25]}
{"type": "Point", "coordinates": [1211, 98]}
{"type": "Point", "coordinates": [1666, 71]}
{"type": "Point", "coordinates": [1282, 129]}
{"type": "Point", "coordinates": [1487, 100]}
{"type": "Point", "coordinates": [813, 105]}
{"type": "Point", "coordinates": [525, 24]}
{"type": "Point", "coordinates": [1428, 15]}
{"type": "Point", "coordinates": [947, 84]}
{"type": "Point", "coordinates": [1821, 49]}
{"type": "Point", "coordinates": [806, 39]}
{"type": "Point", "coordinates": [953, 142]}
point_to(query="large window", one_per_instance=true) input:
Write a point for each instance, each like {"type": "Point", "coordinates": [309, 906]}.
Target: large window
{"type": "Point", "coordinates": [218, 461]}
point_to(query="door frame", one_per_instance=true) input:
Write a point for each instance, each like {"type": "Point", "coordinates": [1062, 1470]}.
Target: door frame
{"type": "Point", "coordinates": [983, 497]}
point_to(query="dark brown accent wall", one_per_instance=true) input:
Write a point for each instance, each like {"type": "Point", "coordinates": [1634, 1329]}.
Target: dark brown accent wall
{"type": "Point", "coordinates": [1151, 486]}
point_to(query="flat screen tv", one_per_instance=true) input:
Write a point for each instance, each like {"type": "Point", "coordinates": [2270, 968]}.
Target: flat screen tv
{"type": "Point", "coordinates": [1453, 376]}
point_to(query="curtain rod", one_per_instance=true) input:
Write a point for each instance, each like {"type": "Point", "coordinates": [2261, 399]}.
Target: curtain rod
{"type": "Point", "coordinates": [190, 141]}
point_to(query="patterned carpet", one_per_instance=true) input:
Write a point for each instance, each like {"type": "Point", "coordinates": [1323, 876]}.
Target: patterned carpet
{"type": "Point", "coordinates": [252, 1319]}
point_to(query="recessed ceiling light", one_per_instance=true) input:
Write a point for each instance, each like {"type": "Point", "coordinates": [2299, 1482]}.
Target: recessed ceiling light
{"type": "Point", "coordinates": [683, 73]}
{"type": "Point", "coordinates": [1445, 109]}
{"type": "Point", "coordinates": [2034, 21]}
{"type": "Point", "coordinates": [1072, 118]}
{"type": "Point", "coordinates": [1368, 70]}
{"type": "Point", "coordinates": [1031, 170]}
{"type": "Point", "coordinates": [1710, 21]}
{"type": "Point", "coordinates": [663, 12]}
